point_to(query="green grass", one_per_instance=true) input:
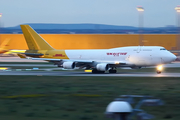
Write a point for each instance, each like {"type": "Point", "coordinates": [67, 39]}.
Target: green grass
{"type": "Point", "coordinates": [81, 98]}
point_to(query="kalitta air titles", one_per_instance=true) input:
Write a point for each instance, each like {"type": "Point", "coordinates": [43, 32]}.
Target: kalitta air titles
{"type": "Point", "coordinates": [116, 54]}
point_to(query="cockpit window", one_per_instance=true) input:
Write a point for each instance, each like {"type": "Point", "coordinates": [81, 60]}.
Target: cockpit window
{"type": "Point", "coordinates": [162, 49]}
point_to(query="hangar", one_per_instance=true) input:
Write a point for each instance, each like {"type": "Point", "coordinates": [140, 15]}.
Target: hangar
{"type": "Point", "coordinates": [96, 41]}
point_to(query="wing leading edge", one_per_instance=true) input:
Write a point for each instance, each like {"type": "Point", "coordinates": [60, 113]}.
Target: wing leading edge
{"type": "Point", "coordinates": [82, 61]}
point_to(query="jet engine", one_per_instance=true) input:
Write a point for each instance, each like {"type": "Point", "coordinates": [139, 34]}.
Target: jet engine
{"type": "Point", "coordinates": [102, 67]}
{"type": "Point", "coordinates": [69, 65]}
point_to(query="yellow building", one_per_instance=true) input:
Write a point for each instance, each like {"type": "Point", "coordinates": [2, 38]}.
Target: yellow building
{"type": "Point", "coordinates": [95, 41]}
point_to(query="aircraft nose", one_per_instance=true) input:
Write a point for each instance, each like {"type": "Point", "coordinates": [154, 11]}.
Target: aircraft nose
{"type": "Point", "coordinates": [171, 57]}
{"type": "Point", "coordinates": [168, 58]}
{"type": "Point", "coordinates": [174, 57]}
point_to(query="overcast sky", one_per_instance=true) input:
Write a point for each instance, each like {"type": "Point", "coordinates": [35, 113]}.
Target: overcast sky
{"type": "Point", "coordinates": [158, 13]}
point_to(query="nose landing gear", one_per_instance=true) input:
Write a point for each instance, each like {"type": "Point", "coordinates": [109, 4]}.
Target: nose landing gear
{"type": "Point", "coordinates": [159, 69]}
{"type": "Point", "coordinates": [158, 72]}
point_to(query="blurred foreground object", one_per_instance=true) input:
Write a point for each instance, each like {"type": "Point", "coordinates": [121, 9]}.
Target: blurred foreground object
{"type": "Point", "coordinates": [121, 109]}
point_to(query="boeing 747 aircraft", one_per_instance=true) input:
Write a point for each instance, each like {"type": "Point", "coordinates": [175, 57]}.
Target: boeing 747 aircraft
{"type": "Point", "coordinates": [99, 60]}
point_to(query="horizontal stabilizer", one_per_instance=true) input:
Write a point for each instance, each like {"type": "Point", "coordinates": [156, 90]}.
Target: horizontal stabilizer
{"type": "Point", "coordinates": [21, 56]}
{"type": "Point", "coordinates": [32, 54]}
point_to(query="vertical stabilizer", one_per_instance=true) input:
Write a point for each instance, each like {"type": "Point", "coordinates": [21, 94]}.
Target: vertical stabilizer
{"type": "Point", "coordinates": [33, 40]}
{"type": "Point", "coordinates": [5, 44]}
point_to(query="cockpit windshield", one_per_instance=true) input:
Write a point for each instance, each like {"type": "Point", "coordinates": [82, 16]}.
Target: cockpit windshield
{"type": "Point", "coordinates": [162, 49]}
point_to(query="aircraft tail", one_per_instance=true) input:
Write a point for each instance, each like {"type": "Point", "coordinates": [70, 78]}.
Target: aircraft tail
{"type": "Point", "coordinates": [33, 40]}
{"type": "Point", "coordinates": [5, 44]}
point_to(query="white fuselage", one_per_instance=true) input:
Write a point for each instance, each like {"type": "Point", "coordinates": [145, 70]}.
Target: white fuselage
{"type": "Point", "coordinates": [134, 55]}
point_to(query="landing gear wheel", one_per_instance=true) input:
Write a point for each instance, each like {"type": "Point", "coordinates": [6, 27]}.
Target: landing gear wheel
{"type": "Point", "coordinates": [101, 71]}
{"type": "Point", "coordinates": [96, 71]}
{"type": "Point", "coordinates": [112, 71]}
{"type": "Point", "coordinates": [158, 72]}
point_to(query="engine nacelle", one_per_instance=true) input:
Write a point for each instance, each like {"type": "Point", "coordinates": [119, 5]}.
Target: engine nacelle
{"type": "Point", "coordinates": [69, 65]}
{"type": "Point", "coordinates": [102, 67]}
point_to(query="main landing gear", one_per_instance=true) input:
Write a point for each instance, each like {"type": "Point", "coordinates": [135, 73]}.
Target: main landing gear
{"type": "Point", "coordinates": [112, 71]}
{"type": "Point", "coordinates": [96, 71]}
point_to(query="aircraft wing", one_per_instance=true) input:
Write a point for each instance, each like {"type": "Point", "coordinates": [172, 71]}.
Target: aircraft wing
{"type": "Point", "coordinates": [82, 61]}
{"type": "Point", "coordinates": [56, 60]}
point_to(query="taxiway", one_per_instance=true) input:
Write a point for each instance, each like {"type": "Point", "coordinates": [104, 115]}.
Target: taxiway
{"type": "Point", "coordinates": [74, 73]}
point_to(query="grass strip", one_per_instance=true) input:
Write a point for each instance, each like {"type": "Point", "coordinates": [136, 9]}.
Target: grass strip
{"type": "Point", "coordinates": [83, 98]}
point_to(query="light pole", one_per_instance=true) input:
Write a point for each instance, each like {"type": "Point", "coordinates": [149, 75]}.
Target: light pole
{"type": "Point", "coordinates": [178, 27]}
{"type": "Point", "coordinates": [140, 10]}
{"type": "Point", "coordinates": [0, 19]}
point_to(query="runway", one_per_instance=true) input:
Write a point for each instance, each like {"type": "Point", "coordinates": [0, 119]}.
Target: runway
{"type": "Point", "coordinates": [77, 73]}
{"type": "Point", "coordinates": [81, 73]}
{"type": "Point", "coordinates": [172, 65]}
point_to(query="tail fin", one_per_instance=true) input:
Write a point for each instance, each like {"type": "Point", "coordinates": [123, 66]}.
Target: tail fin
{"type": "Point", "coordinates": [5, 44]}
{"type": "Point", "coordinates": [33, 40]}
